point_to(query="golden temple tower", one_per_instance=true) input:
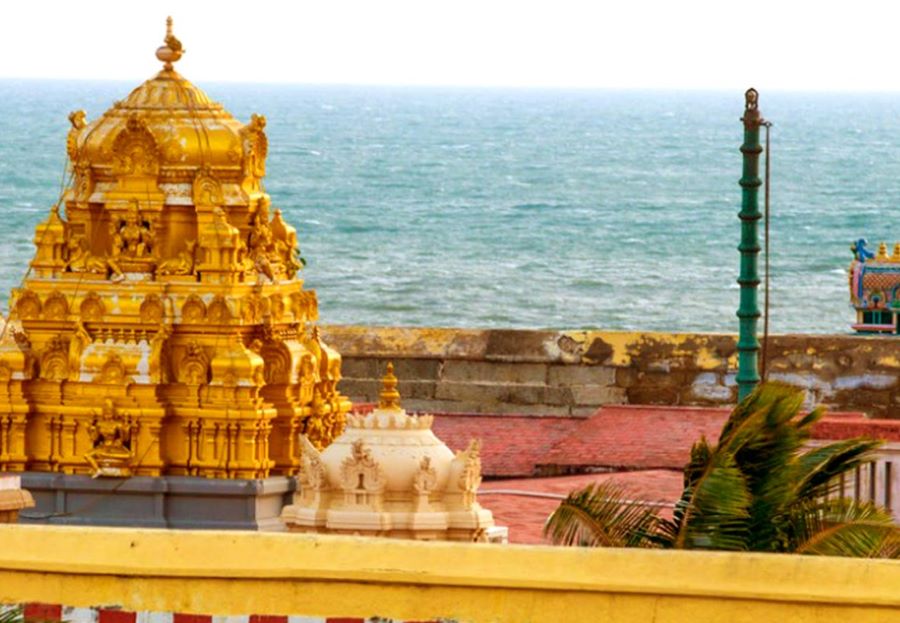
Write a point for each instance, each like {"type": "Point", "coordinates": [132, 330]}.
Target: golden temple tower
{"type": "Point", "coordinates": [162, 328]}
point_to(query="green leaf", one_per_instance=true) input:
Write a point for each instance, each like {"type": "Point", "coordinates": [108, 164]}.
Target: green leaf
{"type": "Point", "coordinates": [817, 469]}
{"type": "Point", "coordinates": [844, 528]}
{"type": "Point", "coordinates": [713, 510]}
{"type": "Point", "coordinates": [600, 515]}
{"type": "Point", "coordinates": [11, 614]}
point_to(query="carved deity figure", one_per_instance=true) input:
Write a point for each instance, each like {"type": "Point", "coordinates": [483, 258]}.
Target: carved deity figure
{"type": "Point", "coordinates": [182, 264]}
{"type": "Point", "coordinates": [77, 343]}
{"type": "Point", "coordinates": [111, 436]}
{"type": "Point", "coordinates": [261, 244]}
{"type": "Point", "coordinates": [81, 260]}
{"type": "Point", "coordinates": [157, 344]}
{"type": "Point", "coordinates": [132, 238]}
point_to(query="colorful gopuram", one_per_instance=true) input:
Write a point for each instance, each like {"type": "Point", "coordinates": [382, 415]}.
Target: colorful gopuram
{"type": "Point", "coordinates": [162, 328]}
{"type": "Point", "coordinates": [875, 288]}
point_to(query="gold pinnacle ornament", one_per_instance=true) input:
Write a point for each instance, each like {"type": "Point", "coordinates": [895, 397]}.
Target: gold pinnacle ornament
{"type": "Point", "coordinates": [163, 328]}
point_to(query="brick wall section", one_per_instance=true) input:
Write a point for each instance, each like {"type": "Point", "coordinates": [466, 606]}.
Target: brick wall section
{"type": "Point", "coordinates": [573, 372]}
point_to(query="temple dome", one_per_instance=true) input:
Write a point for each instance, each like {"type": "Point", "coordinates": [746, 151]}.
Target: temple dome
{"type": "Point", "coordinates": [178, 127]}
{"type": "Point", "coordinates": [388, 474]}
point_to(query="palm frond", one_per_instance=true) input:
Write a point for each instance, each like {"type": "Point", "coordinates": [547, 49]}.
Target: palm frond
{"type": "Point", "coordinates": [600, 515]}
{"type": "Point", "coordinates": [843, 528]}
{"type": "Point", "coordinates": [11, 614]}
{"type": "Point", "coordinates": [713, 511]}
{"type": "Point", "coordinates": [817, 469]}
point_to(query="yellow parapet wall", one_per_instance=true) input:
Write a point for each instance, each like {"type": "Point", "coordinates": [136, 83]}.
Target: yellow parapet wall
{"type": "Point", "coordinates": [224, 573]}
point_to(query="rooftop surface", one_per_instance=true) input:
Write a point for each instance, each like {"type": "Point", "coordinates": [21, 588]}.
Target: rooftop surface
{"type": "Point", "coordinates": [642, 448]}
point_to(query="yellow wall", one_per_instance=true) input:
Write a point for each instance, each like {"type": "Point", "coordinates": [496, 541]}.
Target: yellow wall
{"type": "Point", "coordinates": [265, 573]}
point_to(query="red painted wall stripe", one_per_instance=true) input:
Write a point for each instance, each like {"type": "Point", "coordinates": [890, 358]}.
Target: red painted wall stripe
{"type": "Point", "coordinates": [263, 618]}
{"type": "Point", "coordinates": [191, 618]}
{"type": "Point", "coordinates": [115, 616]}
{"type": "Point", "coordinates": [42, 612]}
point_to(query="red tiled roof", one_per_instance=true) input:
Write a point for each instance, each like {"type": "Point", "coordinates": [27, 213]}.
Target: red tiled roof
{"type": "Point", "coordinates": [525, 516]}
{"type": "Point", "coordinates": [619, 437]}
{"type": "Point", "coordinates": [510, 445]}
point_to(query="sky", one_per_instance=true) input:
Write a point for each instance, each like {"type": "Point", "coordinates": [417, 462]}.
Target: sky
{"type": "Point", "coordinates": [689, 44]}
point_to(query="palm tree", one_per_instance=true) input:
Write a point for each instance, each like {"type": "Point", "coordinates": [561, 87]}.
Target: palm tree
{"type": "Point", "coordinates": [758, 489]}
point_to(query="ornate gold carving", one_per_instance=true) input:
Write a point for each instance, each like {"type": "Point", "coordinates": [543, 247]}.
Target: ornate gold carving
{"type": "Point", "coordinates": [84, 182]}
{"type": "Point", "coordinates": [82, 261]}
{"type": "Point", "coordinates": [135, 151]}
{"type": "Point", "coordinates": [156, 359]}
{"type": "Point", "coordinates": [113, 371]}
{"type": "Point", "coordinates": [78, 119]}
{"type": "Point", "coordinates": [182, 264]}
{"type": "Point", "coordinates": [194, 310]}
{"type": "Point", "coordinates": [276, 307]}
{"type": "Point", "coordinates": [255, 147]}
{"type": "Point", "coordinates": [172, 50]}
{"type": "Point", "coordinates": [132, 237]}
{"type": "Point", "coordinates": [28, 305]}
{"type": "Point", "coordinates": [92, 308]}
{"type": "Point", "coordinates": [111, 438]}
{"type": "Point", "coordinates": [54, 360]}
{"type": "Point", "coordinates": [152, 310]}
{"type": "Point", "coordinates": [77, 343]}
{"type": "Point", "coordinates": [252, 308]}
{"type": "Point", "coordinates": [193, 369]}
{"type": "Point", "coordinates": [304, 306]}
{"type": "Point", "coordinates": [286, 245]}
{"type": "Point", "coordinates": [153, 259]}
{"type": "Point", "coordinates": [218, 311]}
{"type": "Point", "coordinates": [277, 361]}
{"type": "Point", "coordinates": [56, 306]}
{"type": "Point", "coordinates": [206, 190]}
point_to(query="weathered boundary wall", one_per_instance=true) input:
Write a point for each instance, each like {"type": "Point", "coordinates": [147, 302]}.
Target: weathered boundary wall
{"type": "Point", "coordinates": [574, 372]}
{"type": "Point", "coordinates": [315, 576]}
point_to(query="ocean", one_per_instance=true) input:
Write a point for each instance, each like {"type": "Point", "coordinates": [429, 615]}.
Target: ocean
{"type": "Point", "coordinates": [525, 208]}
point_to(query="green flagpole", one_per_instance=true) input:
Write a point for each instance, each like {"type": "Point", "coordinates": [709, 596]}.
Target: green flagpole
{"type": "Point", "coordinates": [748, 312]}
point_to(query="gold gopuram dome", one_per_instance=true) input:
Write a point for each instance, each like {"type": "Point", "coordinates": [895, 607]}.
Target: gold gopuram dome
{"type": "Point", "coordinates": [162, 328]}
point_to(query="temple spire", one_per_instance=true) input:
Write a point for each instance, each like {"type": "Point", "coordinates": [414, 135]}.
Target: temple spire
{"type": "Point", "coordinates": [389, 397]}
{"type": "Point", "coordinates": [172, 50]}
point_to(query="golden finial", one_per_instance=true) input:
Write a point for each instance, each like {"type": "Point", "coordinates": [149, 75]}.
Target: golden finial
{"type": "Point", "coordinates": [172, 51]}
{"type": "Point", "coordinates": [389, 397]}
{"type": "Point", "coordinates": [882, 252]}
{"type": "Point", "coordinates": [895, 256]}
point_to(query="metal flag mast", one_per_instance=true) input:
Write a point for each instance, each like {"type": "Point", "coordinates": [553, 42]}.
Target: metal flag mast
{"type": "Point", "coordinates": [748, 312]}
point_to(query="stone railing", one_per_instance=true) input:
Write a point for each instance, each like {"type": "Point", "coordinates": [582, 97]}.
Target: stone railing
{"type": "Point", "coordinates": [168, 575]}
{"type": "Point", "coordinates": [574, 372]}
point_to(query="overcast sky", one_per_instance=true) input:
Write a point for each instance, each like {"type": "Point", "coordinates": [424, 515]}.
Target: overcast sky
{"type": "Point", "coordinates": [601, 43]}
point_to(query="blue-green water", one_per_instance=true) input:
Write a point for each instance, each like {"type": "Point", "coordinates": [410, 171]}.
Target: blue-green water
{"type": "Point", "coordinates": [520, 208]}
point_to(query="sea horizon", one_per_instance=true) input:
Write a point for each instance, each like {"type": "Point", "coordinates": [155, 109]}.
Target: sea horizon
{"type": "Point", "coordinates": [524, 207]}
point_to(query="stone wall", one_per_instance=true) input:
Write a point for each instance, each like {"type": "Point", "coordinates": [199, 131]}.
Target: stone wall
{"type": "Point", "coordinates": [574, 372]}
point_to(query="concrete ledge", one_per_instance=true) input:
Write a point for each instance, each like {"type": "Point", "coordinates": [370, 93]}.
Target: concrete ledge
{"type": "Point", "coordinates": [222, 573]}
{"type": "Point", "coordinates": [165, 502]}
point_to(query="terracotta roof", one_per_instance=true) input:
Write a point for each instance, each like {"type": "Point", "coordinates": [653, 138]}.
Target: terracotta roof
{"type": "Point", "coordinates": [525, 516]}
{"type": "Point", "coordinates": [616, 437]}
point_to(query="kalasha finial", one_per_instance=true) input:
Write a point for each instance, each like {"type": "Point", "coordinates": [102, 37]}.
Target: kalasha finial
{"type": "Point", "coordinates": [751, 117]}
{"type": "Point", "coordinates": [389, 397]}
{"type": "Point", "coordinates": [172, 51]}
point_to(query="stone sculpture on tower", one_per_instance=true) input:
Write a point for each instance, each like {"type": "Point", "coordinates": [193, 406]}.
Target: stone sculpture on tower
{"type": "Point", "coordinates": [162, 328]}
